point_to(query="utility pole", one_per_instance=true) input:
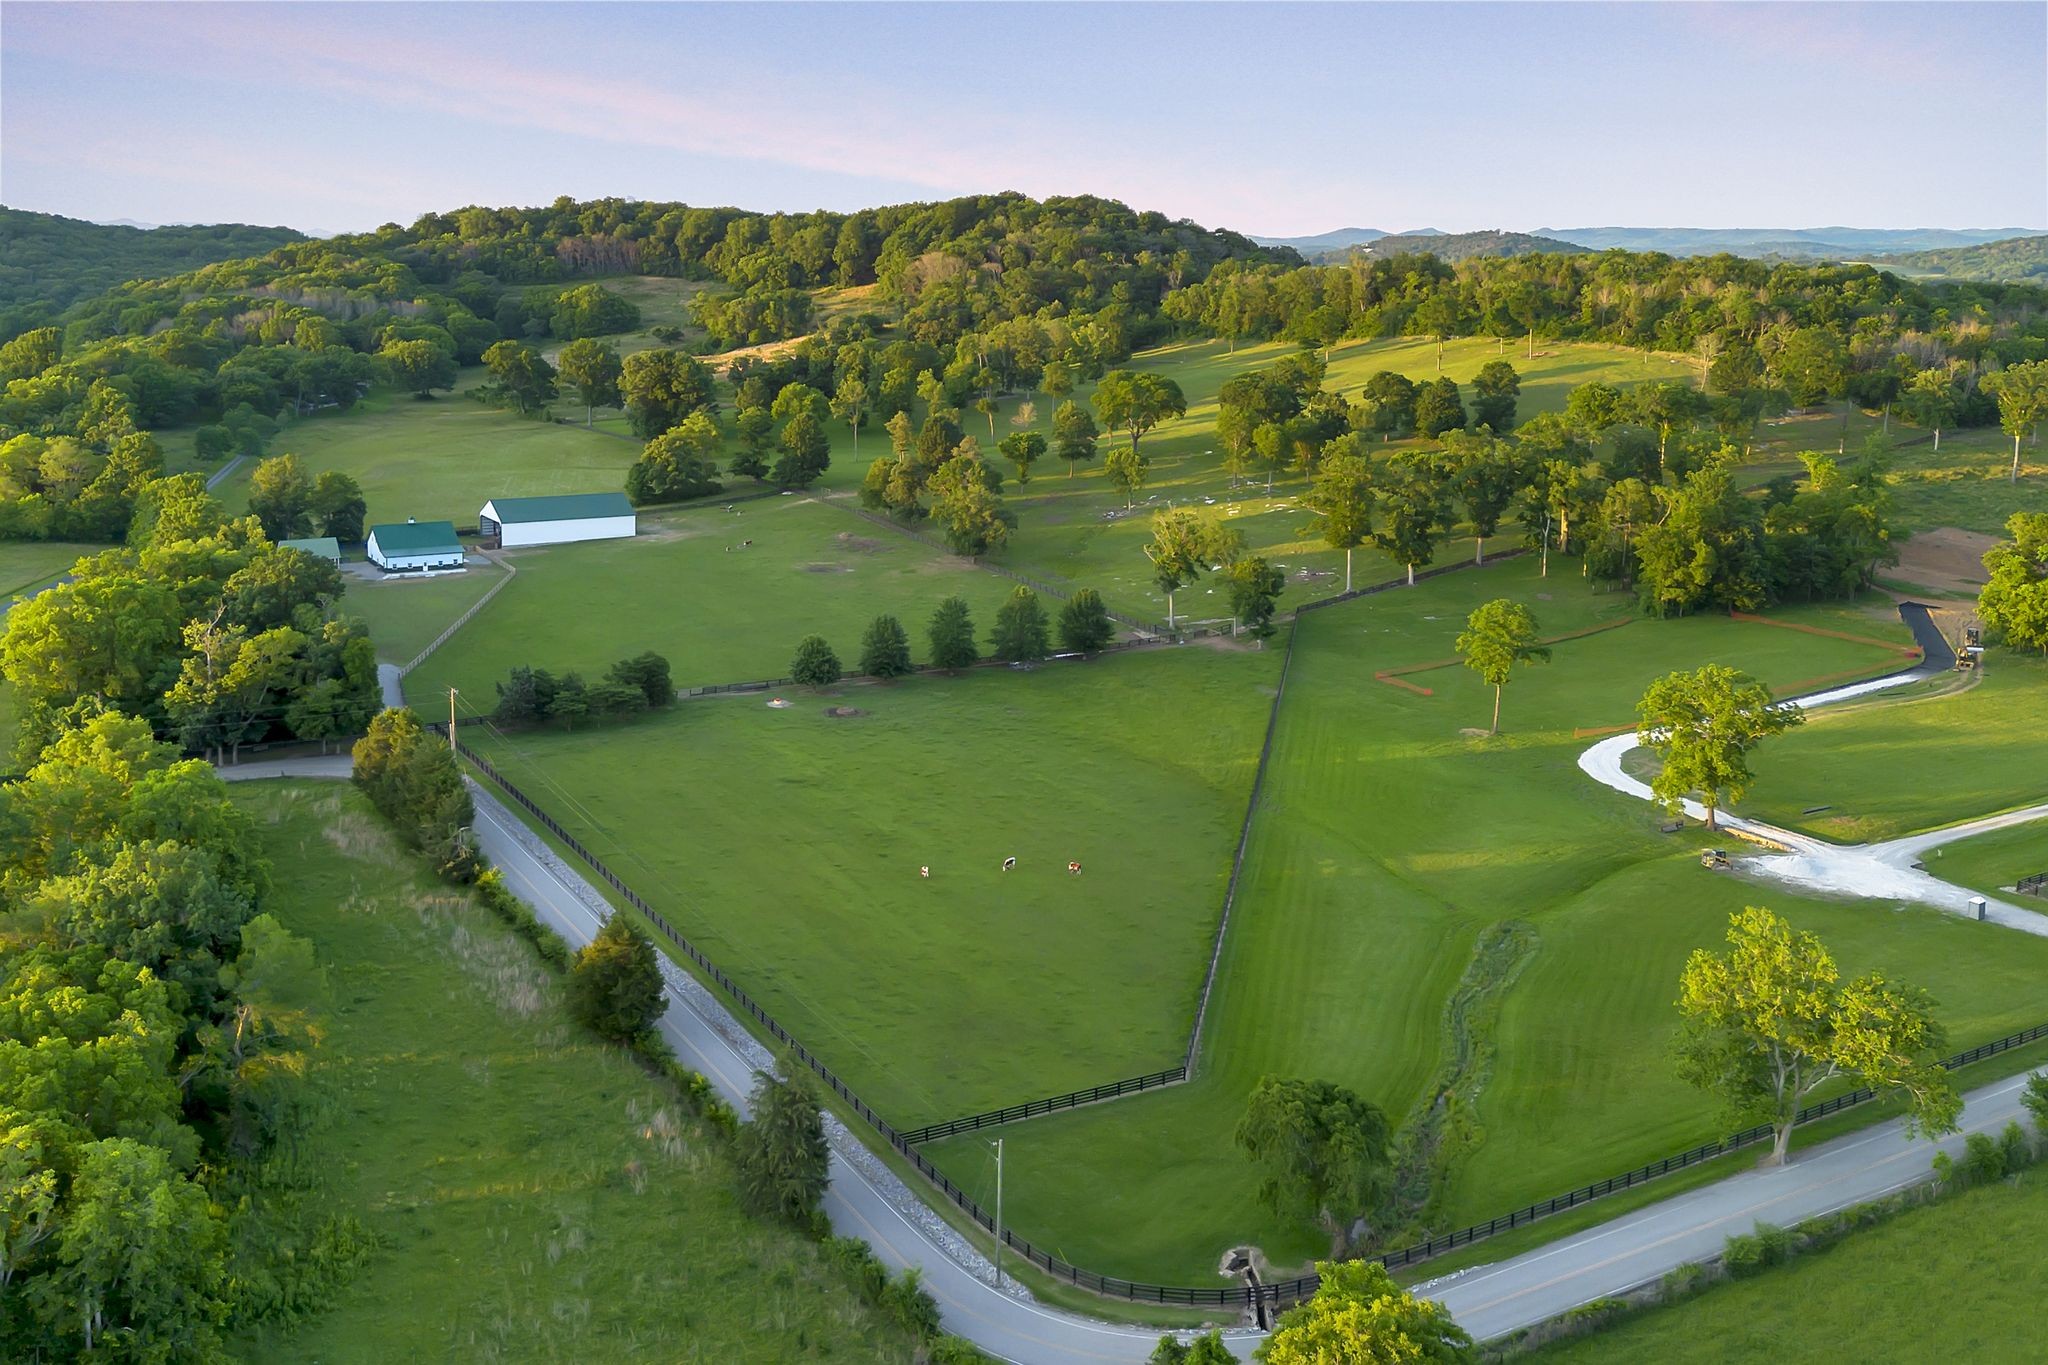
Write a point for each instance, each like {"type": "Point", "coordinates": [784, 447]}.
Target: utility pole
{"type": "Point", "coordinates": [999, 1213]}
{"type": "Point", "coordinates": [451, 720]}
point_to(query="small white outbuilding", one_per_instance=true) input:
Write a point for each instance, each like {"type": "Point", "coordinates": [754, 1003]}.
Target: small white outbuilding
{"type": "Point", "coordinates": [399, 546]}
{"type": "Point", "coordinates": [513, 522]}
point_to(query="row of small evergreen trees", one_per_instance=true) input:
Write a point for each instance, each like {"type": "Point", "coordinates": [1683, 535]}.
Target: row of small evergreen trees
{"type": "Point", "coordinates": [1022, 633]}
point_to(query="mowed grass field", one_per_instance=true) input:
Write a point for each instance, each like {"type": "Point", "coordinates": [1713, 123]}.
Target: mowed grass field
{"type": "Point", "coordinates": [1887, 770]}
{"type": "Point", "coordinates": [786, 844]}
{"type": "Point", "coordinates": [405, 614]}
{"type": "Point", "coordinates": [443, 458]}
{"type": "Point", "coordinates": [1961, 1280]}
{"type": "Point", "coordinates": [691, 588]}
{"type": "Point", "coordinates": [1386, 843]}
{"type": "Point", "coordinates": [535, 1196]}
{"type": "Point", "coordinates": [26, 564]}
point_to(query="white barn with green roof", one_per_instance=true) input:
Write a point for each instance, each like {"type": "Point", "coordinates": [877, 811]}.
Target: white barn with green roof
{"type": "Point", "coordinates": [515, 522]}
{"type": "Point", "coordinates": [402, 545]}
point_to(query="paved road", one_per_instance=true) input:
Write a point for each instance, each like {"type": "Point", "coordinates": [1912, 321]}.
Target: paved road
{"type": "Point", "coordinates": [1613, 1257]}
{"type": "Point", "coordinates": [215, 479]}
{"type": "Point", "coordinates": [867, 1200]}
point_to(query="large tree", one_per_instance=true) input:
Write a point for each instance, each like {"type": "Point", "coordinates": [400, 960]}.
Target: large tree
{"type": "Point", "coordinates": [522, 374]}
{"type": "Point", "coordinates": [1499, 635]}
{"type": "Point", "coordinates": [1255, 585]}
{"type": "Point", "coordinates": [680, 463]}
{"type": "Point", "coordinates": [1414, 500]}
{"type": "Point", "coordinates": [1494, 391]}
{"type": "Point", "coordinates": [967, 502]}
{"type": "Point", "coordinates": [2022, 394]}
{"type": "Point", "coordinates": [1342, 499]}
{"type": "Point", "coordinates": [1183, 546]}
{"type": "Point", "coordinates": [661, 388]}
{"type": "Point", "coordinates": [1136, 401]}
{"type": "Point", "coordinates": [1073, 435]}
{"type": "Point", "coordinates": [1487, 475]}
{"type": "Point", "coordinates": [1325, 1153]}
{"type": "Point", "coordinates": [1023, 449]}
{"type": "Point", "coordinates": [1702, 726]}
{"type": "Point", "coordinates": [1438, 409]}
{"type": "Point", "coordinates": [281, 496]}
{"type": "Point", "coordinates": [815, 665]}
{"type": "Point", "coordinates": [615, 984]}
{"type": "Point", "coordinates": [1359, 1316]}
{"type": "Point", "coordinates": [594, 368]}
{"type": "Point", "coordinates": [1770, 1021]}
{"type": "Point", "coordinates": [2015, 600]}
{"type": "Point", "coordinates": [806, 453]}
{"type": "Point", "coordinates": [419, 366]}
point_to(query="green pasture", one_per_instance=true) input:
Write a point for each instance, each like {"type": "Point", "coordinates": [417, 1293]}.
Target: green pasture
{"type": "Point", "coordinates": [689, 588]}
{"type": "Point", "coordinates": [26, 564]}
{"type": "Point", "coordinates": [444, 458]}
{"type": "Point", "coordinates": [1960, 1280]}
{"type": "Point", "coordinates": [1887, 769]}
{"type": "Point", "coordinates": [535, 1196]}
{"type": "Point", "coordinates": [1386, 842]}
{"type": "Point", "coordinates": [787, 844]}
{"type": "Point", "coordinates": [405, 613]}
{"type": "Point", "coordinates": [1993, 862]}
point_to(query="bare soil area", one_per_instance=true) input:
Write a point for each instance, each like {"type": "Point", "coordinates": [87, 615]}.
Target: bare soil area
{"type": "Point", "coordinates": [1945, 560]}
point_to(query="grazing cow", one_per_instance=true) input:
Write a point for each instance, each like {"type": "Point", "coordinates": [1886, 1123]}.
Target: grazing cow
{"type": "Point", "coordinates": [924, 871]}
{"type": "Point", "coordinates": [1009, 864]}
{"type": "Point", "coordinates": [1074, 868]}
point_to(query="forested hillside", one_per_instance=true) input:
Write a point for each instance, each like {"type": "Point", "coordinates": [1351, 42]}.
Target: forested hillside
{"type": "Point", "coordinates": [1454, 246]}
{"type": "Point", "coordinates": [48, 263]}
{"type": "Point", "coordinates": [2022, 259]}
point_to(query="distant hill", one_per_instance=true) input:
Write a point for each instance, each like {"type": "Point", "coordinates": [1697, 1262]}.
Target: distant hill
{"type": "Point", "coordinates": [1457, 246]}
{"type": "Point", "coordinates": [1324, 241]}
{"type": "Point", "coordinates": [1805, 243]}
{"type": "Point", "coordinates": [2015, 260]}
{"type": "Point", "coordinates": [47, 262]}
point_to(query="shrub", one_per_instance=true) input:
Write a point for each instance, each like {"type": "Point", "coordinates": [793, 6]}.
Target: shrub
{"type": "Point", "coordinates": [2012, 1146]}
{"type": "Point", "coordinates": [492, 893]}
{"type": "Point", "coordinates": [1685, 1279]}
{"type": "Point", "coordinates": [2035, 1098]}
{"type": "Point", "coordinates": [1983, 1160]}
{"type": "Point", "coordinates": [952, 636]}
{"type": "Point", "coordinates": [907, 1301]}
{"type": "Point", "coordinates": [815, 665]}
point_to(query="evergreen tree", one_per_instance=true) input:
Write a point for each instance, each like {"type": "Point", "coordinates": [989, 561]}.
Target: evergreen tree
{"type": "Point", "coordinates": [952, 636]}
{"type": "Point", "coordinates": [784, 1163]}
{"type": "Point", "coordinates": [1021, 633]}
{"type": "Point", "coordinates": [815, 664]}
{"type": "Point", "coordinates": [615, 985]}
{"type": "Point", "coordinates": [885, 649]}
{"type": "Point", "coordinates": [1438, 408]}
{"type": "Point", "coordinates": [1084, 622]}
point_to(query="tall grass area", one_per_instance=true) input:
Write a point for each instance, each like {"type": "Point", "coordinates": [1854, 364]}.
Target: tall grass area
{"type": "Point", "coordinates": [1959, 1280]}
{"type": "Point", "coordinates": [725, 596]}
{"type": "Point", "coordinates": [1389, 838]}
{"type": "Point", "coordinates": [1890, 769]}
{"type": "Point", "coordinates": [788, 845]}
{"type": "Point", "coordinates": [535, 1196]}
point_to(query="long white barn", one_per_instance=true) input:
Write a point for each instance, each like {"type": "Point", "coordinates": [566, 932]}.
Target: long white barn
{"type": "Point", "coordinates": [513, 522]}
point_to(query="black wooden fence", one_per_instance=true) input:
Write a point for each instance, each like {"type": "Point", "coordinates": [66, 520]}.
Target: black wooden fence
{"type": "Point", "coordinates": [1073, 1099]}
{"type": "Point", "coordinates": [2036, 885]}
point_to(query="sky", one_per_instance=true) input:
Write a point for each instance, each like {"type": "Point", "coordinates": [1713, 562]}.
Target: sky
{"type": "Point", "coordinates": [1274, 119]}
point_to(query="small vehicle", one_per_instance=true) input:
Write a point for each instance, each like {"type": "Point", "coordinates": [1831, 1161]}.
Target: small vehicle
{"type": "Point", "coordinates": [1714, 858]}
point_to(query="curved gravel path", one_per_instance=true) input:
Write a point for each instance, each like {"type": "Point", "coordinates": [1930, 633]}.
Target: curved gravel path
{"type": "Point", "coordinates": [1883, 871]}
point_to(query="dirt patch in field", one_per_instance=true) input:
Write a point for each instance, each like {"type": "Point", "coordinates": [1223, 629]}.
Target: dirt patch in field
{"type": "Point", "coordinates": [844, 712]}
{"type": "Point", "coordinates": [1946, 560]}
{"type": "Point", "coordinates": [1473, 732]}
{"type": "Point", "coordinates": [827, 568]}
{"type": "Point", "coordinates": [860, 545]}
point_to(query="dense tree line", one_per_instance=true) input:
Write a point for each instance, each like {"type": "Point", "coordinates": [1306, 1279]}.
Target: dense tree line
{"type": "Point", "coordinates": [532, 696]}
{"type": "Point", "coordinates": [1769, 333]}
{"type": "Point", "coordinates": [51, 262]}
{"type": "Point", "coordinates": [154, 1027]}
{"type": "Point", "coordinates": [200, 626]}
